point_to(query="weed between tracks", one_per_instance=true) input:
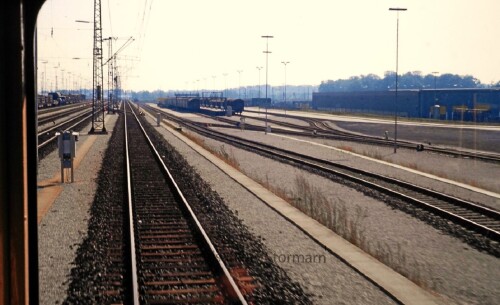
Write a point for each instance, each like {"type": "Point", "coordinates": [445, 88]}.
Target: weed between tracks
{"type": "Point", "coordinates": [280, 192]}
{"type": "Point", "coordinates": [372, 154]}
{"type": "Point", "coordinates": [333, 213]}
{"type": "Point", "coordinates": [221, 153]}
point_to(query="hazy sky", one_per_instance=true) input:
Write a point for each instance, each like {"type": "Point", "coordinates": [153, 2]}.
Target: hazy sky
{"type": "Point", "coordinates": [180, 42]}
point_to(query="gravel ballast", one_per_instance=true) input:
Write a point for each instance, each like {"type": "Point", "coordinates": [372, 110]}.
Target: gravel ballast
{"type": "Point", "coordinates": [327, 279]}
{"type": "Point", "coordinates": [481, 174]}
{"type": "Point", "coordinates": [235, 244]}
{"type": "Point", "coordinates": [65, 224]}
{"type": "Point", "coordinates": [92, 263]}
{"type": "Point", "coordinates": [447, 265]}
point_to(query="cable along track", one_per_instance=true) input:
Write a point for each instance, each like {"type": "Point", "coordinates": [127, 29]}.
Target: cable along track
{"type": "Point", "coordinates": [175, 260]}
{"type": "Point", "coordinates": [483, 220]}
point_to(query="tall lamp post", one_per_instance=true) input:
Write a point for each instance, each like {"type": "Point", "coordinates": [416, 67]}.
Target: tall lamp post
{"type": "Point", "coordinates": [397, 9]}
{"type": "Point", "coordinates": [259, 68]}
{"type": "Point", "coordinates": [68, 82]}
{"type": "Point", "coordinates": [435, 73]}
{"type": "Point", "coordinates": [267, 55]}
{"type": "Point", "coordinates": [44, 78]}
{"type": "Point", "coordinates": [284, 95]}
{"type": "Point", "coordinates": [62, 80]}
{"type": "Point", "coordinates": [55, 85]}
{"type": "Point", "coordinates": [225, 84]}
{"type": "Point", "coordinates": [239, 82]}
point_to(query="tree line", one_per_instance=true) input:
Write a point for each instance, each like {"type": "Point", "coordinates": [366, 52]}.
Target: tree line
{"type": "Point", "coordinates": [276, 93]}
{"type": "Point", "coordinates": [410, 80]}
{"type": "Point", "coordinates": [370, 82]}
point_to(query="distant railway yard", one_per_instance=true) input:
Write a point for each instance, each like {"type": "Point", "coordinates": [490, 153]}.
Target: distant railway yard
{"type": "Point", "coordinates": [267, 206]}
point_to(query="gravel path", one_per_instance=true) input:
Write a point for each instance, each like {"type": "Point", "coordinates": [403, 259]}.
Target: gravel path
{"type": "Point", "coordinates": [65, 225]}
{"type": "Point", "coordinates": [437, 260]}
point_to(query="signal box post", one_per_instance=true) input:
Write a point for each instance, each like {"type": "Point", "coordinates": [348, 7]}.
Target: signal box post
{"type": "Point", "coordinates": [66, 141]}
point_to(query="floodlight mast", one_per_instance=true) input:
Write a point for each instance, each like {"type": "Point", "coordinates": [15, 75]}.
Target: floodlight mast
{"type": "Point", "coordinates": [397, 9]}
{"type": "Point", "coordinates": [284, 94]}
{"type": "Point", "coordinates": [267, 52]}
{"type": "Point", "coordinates": [259, 68]}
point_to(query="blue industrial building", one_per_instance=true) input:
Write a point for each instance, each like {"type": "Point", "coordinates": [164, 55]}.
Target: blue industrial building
{"type": "Point", "coordinates": [451, 104]}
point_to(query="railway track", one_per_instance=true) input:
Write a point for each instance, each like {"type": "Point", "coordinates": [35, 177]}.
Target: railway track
{"type": "Point", "coordinates": [172, 260]}
{"type": "Point", "coordinates": [474, 217]}
{"type": "Point", "coordinates": [321, 128]}
{"type": "Point", "coordinates": [48, 136]}
{"type": "Point", "coordinates": [58, 113]}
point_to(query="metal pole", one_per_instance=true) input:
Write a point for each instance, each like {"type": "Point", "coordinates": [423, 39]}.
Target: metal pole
{"type": "Point", "coordinates": [435, 78]}
{"type": "Point", "coordinates": [55, 81]}
{"type": "Point", "coordinates": [396, 101]}
{"type": "Point", "coordinates": [258, 68]}
{"type": "Point", "coordinates": [44, 79]}
{"type": "Point", "coordinates": [284, 100]}
{"type": "Point", "coordinates": [225, 84]}
{"type": "Point", "coordinates": [62, 80]}
{"type": "Point", "coordinates": [72, 172]}
{"type": "Point", "coordinates": [396, 106]}
{"type": "Point", "coordinates": [267, 67]}
{"type": "Point", "coordinates": [239, 83]}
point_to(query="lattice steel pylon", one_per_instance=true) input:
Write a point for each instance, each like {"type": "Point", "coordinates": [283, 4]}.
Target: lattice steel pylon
{"type": "Point", "coordinates": [97, 90]}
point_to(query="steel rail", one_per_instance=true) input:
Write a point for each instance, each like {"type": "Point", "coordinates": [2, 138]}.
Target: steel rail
{"type": "Point", "coordinates": [228, 281]}
{"type": "Point", "coordinates": [301, 159]}
{"type": "Point", "coordinates": [55, 127]}
{"type": "Point", "coordinates": [486, 156]}
{"type": "Point", "coordinates": [323, 129]}
{"type": "Point", "coordinates": [130, 223]}
{"type": "Point", "coordinates": [330, 133]}
{"type": "Point", "coordinates": [59, 114]}
{"type": "Point", "coordinates": [47, 110]}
